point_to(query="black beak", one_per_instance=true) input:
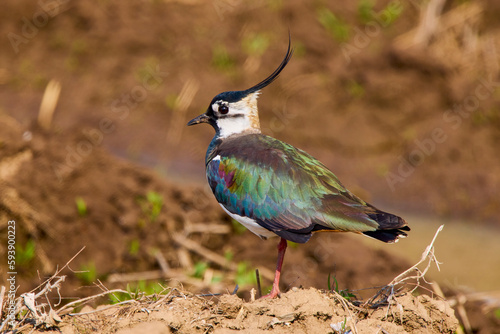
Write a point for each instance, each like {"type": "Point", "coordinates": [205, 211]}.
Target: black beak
{"type": "Point", "coordinates": [203, 118]}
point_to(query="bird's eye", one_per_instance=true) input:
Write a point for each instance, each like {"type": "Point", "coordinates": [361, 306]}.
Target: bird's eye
{"type": "Point", "coordinates": [223, 109]}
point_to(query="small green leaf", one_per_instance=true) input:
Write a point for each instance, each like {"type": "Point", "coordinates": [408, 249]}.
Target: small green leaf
{"type": "Point", "coordinates": [156, 203]}
{"type": "Point", "coordinates": [228, 255]}
{"type": "Point", "coordinates": [255, 44]}
{"type": "Point", "coordinates": [199, 269]}
{"type": "Point", "coordinates": [81, 206]}
{"type": "Point", "coordinates": [344, 293]}
{"type": "Point", "coordinates": [337, 28]}
{"type": "Point", "coordinates": [25, 254]}
{"type": "Point", "coordinates": [134, 247]}
{"type": "Point", "coordinates": [391, 13]}
{"type": "Point", "coordinates": [221, 59]}
{"type": "Point", "coordinates": [244, 275]}
{"type": "Point", "coordinates": [172, 100]}
{"type": "Point", "coordinates": [237, 227]}
{"type": "Point", "coordinates": [365, 11]}
{"type": "Point", "coordinates": [87, 273]}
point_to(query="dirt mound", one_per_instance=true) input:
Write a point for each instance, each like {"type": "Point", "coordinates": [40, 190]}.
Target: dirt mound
{"type": "Point", "coordinates": [297, 311]}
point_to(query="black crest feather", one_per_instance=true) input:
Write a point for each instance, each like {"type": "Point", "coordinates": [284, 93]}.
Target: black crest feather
{"type": "Point", "coordinates": [235, 96]}
{"type": "Point", "coordinates": [276, 72]}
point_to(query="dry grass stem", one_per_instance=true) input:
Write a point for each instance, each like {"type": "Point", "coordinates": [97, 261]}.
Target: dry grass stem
{"type": "Point", "coordinates": [214, 257]}
{"type": "Point", "coordinates": [162, 262]}
{"type": "Point", "coordinates": [9, 166]}
{"type": "Point", "coordinates": [184, 258]}
{"type": "Point", "coordinates": [348, 307]}
{"type": "Point", "coordinates": [137, 276]}
{"type": "Point", "coordinates": [173, 274]}
{"type": "Point", "coordinates": [429, 20]}
{"type": "Point", "coordinates": [207, 228]}
{"type": "Point", "coordinates": [85, 300]}
{"type": "Point", "coordinates": [49, 103]}
{"type": "Point", "coordinates": [465, 14]}
{"type": "Point", "coordinates": [182, 104]}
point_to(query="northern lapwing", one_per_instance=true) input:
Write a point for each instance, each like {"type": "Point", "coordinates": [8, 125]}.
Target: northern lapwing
{"type": "Point", "coordinates": [275, 189]}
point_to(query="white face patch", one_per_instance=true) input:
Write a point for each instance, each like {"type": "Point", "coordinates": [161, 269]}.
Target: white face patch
{"type": "Point", "coordinates": [215, 107]}
{"type": "Point", "coordinates": [234, 125]}
{"type": "Point", "coordinates": [242, 117]}
{"type": "Point", "coordinates": [251, 224]}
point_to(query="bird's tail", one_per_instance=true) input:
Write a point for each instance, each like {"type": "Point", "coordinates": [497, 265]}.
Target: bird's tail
{"type": "Point", "coordinates": [391, 227]}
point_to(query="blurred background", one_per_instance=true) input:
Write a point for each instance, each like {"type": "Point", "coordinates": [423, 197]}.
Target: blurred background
{"type": "Point", "coordinates": [399, 98]}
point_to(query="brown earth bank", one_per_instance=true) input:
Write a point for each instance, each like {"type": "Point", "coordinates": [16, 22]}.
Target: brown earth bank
{"type": "Point", "coordinates": [42, 201]}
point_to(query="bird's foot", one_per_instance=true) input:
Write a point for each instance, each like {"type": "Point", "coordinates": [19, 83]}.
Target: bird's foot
{"type": "Point", "coordinates": [275, 292]}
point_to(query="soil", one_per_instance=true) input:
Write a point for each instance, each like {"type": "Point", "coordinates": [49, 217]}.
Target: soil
{"type": "Point", "coordinates": [410, 129]}
{"type": "Point", "coordinates": [297, 311]}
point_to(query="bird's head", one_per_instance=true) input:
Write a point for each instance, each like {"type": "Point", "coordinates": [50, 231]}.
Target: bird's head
{"type": "Point", "coordinates": [236, 112]}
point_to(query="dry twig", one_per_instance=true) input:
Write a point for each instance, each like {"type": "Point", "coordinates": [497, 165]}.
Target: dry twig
{"type": "Point", "coordinates": [427, 255]}
{"type": "Point", "coordinates": [387, 295]}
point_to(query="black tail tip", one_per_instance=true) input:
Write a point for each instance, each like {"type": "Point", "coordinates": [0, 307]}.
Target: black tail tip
{"type": "Point", "coordinates": [389, 236]}
{"type": "Point", "coordinates": [390, 227]}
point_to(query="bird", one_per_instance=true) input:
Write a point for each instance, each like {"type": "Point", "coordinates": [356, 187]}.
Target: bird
{"type": "Point", "coordinates": [276, 189]}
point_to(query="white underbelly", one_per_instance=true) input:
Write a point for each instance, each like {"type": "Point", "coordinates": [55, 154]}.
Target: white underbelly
{"type": "Point", "coordinates": [251, 224]}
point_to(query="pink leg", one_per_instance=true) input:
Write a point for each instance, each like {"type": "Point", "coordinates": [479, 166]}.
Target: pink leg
{"type": "Point", "coordinates": [276, 284]}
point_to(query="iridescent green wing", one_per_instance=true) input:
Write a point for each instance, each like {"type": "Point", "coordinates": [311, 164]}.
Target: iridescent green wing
{"type": "Point", "coordinates": [283, 189]}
